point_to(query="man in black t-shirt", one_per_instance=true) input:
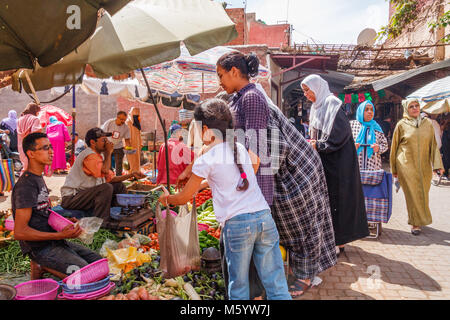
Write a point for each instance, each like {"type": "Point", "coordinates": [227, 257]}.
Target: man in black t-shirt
{"type": "Point", "coordinates": [30, 205]}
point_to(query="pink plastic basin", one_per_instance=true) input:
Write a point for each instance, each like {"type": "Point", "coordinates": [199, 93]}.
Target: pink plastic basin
{"type": "Point", "coordinates": [93, 272]}
{"type": "Point", "coordinates": [43, 289]}
{"type": "Point", "coordinates": [57, 221]}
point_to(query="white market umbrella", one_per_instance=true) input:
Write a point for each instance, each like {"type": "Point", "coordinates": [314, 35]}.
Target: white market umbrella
{"type": "Point", "coordinates": [434, 97]}
{"type": "Point", "coordinates": [129, 88]}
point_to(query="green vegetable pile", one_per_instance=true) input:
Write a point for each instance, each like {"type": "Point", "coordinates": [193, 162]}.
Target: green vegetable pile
{"type": "Point", "coordinates": [206, 215]}
{"type": "Point", "coordinates": [99, 238]}
{"type": "Point", "coordinates": [152, 199]}
{"type": "Point", "coordinates": [209, 287]}
{"type": "Point", "coordinates": [207, 241]}
{"type": "Point", "coordinates": [13, 261]}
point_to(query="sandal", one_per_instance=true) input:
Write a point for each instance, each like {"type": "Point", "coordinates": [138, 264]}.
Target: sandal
{"type": "Point", "coordinates": [298, 285]}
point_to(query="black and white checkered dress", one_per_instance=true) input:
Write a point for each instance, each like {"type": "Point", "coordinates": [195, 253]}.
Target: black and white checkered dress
{"type": "Point", "coordinates": [374, 163]}
{"type": "Point", "coordinates": [301, 207]}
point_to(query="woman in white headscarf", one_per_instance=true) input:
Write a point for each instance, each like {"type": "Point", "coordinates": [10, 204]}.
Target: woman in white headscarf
{"type": "Point", "coordinates": [9, 126]}
{"type": "Point", "coordinates": [414, 154]}
{"type": "Point", "coordinates": [331, 136]}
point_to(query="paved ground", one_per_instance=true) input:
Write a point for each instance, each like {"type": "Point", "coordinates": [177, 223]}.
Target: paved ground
{"type": "Point", "coordinates": [396, 266]}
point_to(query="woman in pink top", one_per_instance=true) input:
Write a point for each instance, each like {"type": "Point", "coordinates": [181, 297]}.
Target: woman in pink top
{"type": "Point", "coordinates": [27, 123]}
{"type": "Point", "coordinates": [58, 134]}
{"type": "Point", "coordinates": [180, 156]}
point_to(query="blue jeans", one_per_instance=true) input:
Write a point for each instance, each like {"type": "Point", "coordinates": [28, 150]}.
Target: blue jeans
{"type": "Point", "coordinates": [254, 234]}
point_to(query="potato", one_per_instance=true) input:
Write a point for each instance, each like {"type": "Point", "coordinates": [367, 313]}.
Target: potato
{"type": "Point", "coordinates": [120, 296]}
{"type": "Point", "coordinates": [132, 296]}
{"type": "Point", "coordinates": [143, 293]}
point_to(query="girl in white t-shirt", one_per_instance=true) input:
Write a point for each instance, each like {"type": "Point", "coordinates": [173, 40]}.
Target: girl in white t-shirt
{"type": "Point", "coordinates": [248, 229]}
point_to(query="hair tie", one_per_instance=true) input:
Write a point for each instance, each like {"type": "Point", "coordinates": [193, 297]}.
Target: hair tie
{"type": "Point", "coordinates": [243, 175]}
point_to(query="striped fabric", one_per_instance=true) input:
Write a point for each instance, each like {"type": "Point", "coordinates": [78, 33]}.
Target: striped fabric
{"type": "Point", "coordinates": [372, 178]}
{"type": "Point", "coordinates": [7, 175]}
{"type": "Point", "coordinates": [377, 210]}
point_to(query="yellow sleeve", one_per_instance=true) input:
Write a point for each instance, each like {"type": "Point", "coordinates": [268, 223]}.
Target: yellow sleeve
{"type": "Point", "coordinates": [394, 146]}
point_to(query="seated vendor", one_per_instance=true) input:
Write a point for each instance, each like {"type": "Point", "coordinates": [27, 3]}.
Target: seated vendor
{"type": "Point", "coordinates": [30, 205]}
{"type": "Point", "coordinates": [180, 156]}
{"type": "Point", "coordinates": [90, 184]}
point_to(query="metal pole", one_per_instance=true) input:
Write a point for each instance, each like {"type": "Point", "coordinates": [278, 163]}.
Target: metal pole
{"type": "Point", "coordinates": [152, 100]}
{"type": "Point", "coordinates": [73, 124]}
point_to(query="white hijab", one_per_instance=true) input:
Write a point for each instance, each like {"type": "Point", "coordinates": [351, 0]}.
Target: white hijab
{"type": "Point", "coordinates": [324, 110]}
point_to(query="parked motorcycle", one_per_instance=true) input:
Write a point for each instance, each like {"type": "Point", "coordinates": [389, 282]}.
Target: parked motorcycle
{"type": "Point", "coordinates": [6, 153]}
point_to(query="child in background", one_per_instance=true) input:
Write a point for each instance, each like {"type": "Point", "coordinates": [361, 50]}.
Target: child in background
{"type": "Point", "coordinates": [240, 207]}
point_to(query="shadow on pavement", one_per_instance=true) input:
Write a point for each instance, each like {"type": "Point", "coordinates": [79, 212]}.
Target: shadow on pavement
{"type": "Point", "coordinates": [429, 236]}
{"type": "Point", "coordinates": [389, 271]}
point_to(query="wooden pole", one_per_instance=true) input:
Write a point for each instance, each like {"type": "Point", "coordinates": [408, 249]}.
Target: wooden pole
{"type": "Point", "coordinates": [99, 112]}
{"type": "Point", "coordinates": [30, 84]}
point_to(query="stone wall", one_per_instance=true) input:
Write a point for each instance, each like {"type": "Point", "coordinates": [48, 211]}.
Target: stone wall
{"type": "Point", "coordinates": [237, 15]}
{"type": "Point", "coordinates": [418, 33]}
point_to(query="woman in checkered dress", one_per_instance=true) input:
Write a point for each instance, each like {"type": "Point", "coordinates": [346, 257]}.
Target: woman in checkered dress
{"type": "Point", "coordinates": [366, 131]}
{"type": "Point", "coordinates": [292, 180]}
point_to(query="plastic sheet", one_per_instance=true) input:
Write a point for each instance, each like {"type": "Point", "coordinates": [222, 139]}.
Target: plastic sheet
{"type": "Point", "coordinates": [90, 226]}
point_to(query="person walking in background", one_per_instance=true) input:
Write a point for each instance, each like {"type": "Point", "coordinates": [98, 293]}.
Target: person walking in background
{"type": "Point", "coordinates": [414, 156]}
{"type": "Point", "coordinates": [58, 135]}
{"type": "Point", "coordinates": [331, 136]}
{"type": "Point", "coordinates": [28, 123]}
{"type": "Point", "coordinates": [9, 126]}
{"type": "Point", "coordinates": [134, 124]}
{"type": "Point", "coordinates": [437, 129]}
{"type": "Point", "coordinates": [366, 131]}
{"type": "Point", "coordinates": [119, 131]}
{"type": "Point", "coordinates": [80, 145]}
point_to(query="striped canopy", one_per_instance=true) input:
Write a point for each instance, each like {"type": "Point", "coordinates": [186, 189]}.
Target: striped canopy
{"type": "Point", "coordinates": [191, 74]}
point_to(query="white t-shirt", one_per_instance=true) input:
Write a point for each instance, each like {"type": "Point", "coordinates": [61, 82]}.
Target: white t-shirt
{"type": "Point", "coordinates": [218, 167]}
{"type": "Point", "coordinates": [118, 132]}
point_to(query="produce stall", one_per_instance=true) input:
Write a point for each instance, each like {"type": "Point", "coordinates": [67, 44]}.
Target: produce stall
{"type": "Point", "coordinates": [134, 258]}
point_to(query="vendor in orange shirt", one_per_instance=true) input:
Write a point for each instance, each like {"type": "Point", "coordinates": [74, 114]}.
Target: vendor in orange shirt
{"type": "Point", "coordinates": [180, 156]}
{"type": "Point", "coordinates": [90, 183]}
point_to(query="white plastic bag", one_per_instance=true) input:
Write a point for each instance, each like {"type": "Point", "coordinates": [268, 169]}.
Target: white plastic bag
{"type": "Point", "coordinates": [90, 226]}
